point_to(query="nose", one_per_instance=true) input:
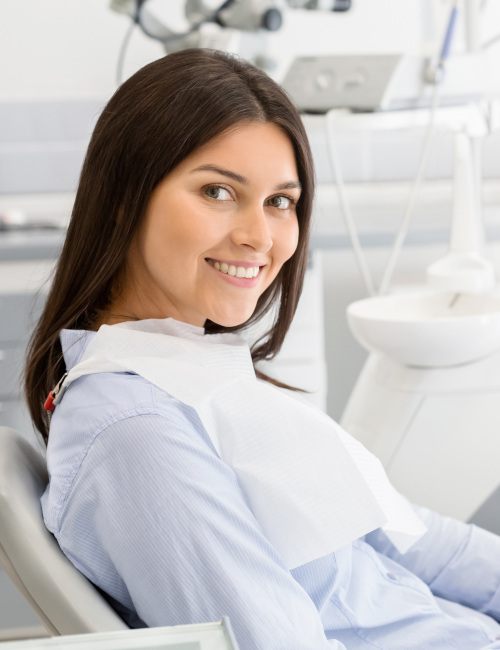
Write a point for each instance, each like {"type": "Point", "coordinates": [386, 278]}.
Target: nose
{"type": "Point", "coordinates": [253, 229]}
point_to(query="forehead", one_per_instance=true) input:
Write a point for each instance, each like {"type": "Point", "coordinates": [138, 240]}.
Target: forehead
{"type": "Point", "coordinates": [256, 150]}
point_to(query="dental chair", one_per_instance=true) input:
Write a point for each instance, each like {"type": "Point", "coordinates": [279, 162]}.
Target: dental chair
{"type": "Point", "coordinates": [64, 600]}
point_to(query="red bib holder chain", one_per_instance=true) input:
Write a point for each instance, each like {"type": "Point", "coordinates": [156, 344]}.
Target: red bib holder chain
{"type": "Point", "coordinates": [49, 405]}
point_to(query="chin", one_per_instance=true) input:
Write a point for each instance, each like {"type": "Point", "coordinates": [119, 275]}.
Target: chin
{"type": "Point", "coordinates": [230, 320]}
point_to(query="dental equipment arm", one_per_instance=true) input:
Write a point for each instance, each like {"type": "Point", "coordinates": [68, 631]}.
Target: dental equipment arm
{"type": "Point", "coordinates": [212, 23]}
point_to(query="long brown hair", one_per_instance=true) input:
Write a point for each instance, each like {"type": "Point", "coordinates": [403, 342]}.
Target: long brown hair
{"type": "Point", "coordinates": [154, 120]}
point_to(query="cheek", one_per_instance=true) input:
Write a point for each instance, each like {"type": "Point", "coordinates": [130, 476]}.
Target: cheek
{"type": "Point", "coordinates": [176, 233]}
{"type": "Point", "coordinates": [289, 239]}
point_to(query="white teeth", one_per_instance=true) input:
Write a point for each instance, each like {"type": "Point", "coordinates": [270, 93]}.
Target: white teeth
{"type": "Point", "coordinates": [237, 271]}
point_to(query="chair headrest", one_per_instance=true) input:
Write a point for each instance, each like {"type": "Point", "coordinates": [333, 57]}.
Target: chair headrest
{"type": "Point", "coordinates": [61, 596]}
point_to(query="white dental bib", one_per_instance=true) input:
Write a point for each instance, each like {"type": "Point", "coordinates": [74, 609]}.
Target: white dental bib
{"type": "Point", "coordinates": [311, 486]}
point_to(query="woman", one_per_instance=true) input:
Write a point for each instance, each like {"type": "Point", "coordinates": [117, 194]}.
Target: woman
{"type": "Point", "coordinates": [192, 213]}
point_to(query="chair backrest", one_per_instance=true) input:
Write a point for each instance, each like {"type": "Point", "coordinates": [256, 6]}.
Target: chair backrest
{"type": "Point", "coordinates": [61, 596]}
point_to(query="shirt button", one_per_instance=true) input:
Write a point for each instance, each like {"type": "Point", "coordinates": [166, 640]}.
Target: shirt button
{"type": "Point", "coordinates": [392, 576]}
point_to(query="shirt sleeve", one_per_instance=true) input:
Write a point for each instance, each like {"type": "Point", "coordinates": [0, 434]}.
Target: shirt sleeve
{"type": "Point", "coordinates": [154, 501]}
{"type": "Point", "coordinates": [458, 561]}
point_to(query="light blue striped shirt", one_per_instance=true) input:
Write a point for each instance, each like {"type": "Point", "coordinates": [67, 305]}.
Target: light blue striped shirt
{"type": "Point", "coordinates": [144, 507]}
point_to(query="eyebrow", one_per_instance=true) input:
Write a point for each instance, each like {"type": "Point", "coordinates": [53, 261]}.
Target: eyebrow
{"type": "Point", "coordinates": [288, 185]}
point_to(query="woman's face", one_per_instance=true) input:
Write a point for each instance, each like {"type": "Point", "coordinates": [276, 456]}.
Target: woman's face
{"type": "Point", "coordinates": [217, 230]}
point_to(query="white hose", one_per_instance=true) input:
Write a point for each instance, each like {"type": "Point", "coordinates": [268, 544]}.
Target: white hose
{"type": "Point", "coordinates": [408, 215]}
{"type": "Point", "coordinates": [344, 206]}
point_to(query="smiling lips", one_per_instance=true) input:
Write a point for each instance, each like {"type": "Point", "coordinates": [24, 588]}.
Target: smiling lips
{"type": "Point", "coordinates": [240, 271]}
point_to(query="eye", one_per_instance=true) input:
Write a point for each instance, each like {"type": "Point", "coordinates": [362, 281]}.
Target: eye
{"type": "Point", "coordinates": [282, 202]}
{"type": "Point", "coordinates": [217, 192]}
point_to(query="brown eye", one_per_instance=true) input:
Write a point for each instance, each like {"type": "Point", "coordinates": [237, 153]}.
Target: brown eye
{"type": "Point", "coordinates": [217, 192]}
{"type": "Point", "coordinates": [281, 202]}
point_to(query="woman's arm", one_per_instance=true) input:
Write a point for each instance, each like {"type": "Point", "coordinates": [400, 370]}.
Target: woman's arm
{"type": "Point", "coordinates": [157, 520]}
{"type": "Point", "coordinates": [458, 561]}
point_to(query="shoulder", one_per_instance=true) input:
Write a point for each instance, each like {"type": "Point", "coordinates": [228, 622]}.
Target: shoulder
{"type": "Point", "coordinates": [94, 402]}
{"type": "Point", "coordinates": [117, 405]}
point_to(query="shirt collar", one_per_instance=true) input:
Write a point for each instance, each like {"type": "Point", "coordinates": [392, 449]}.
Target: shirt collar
{"type": "Point", "coordinates": [74, 342]}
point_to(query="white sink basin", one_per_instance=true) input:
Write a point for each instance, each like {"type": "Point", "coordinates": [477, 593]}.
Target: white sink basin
{"type": "Point", "coordinates": [428, 329]}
